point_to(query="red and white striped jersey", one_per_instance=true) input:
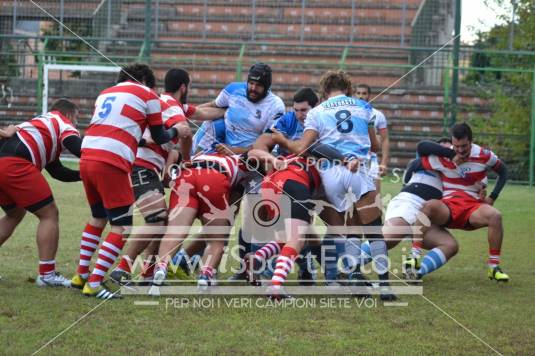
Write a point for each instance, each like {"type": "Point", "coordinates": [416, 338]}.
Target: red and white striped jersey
{"type": "Point", "coordinates": [153, 156]}
{"type": "Point", "coordinates": [122, 113]}
{"type": "Point", "coordinates": [44, 135]}
{"type": "Point", "coordinates": [233, 165]}
{"type": "Point", "coordinates": [470, 176]}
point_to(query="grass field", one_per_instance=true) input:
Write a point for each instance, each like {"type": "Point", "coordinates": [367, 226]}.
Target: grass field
{"type": "Point", "coordinates": [502, 315]}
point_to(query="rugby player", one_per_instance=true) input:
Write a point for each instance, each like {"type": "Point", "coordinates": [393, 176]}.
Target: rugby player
{"type": "Point", "coordinates": [346, 123]}
{"type": "Point", "coordinates": [252, 108]}
{"type": "Point", "coordinates": [461, 206]}
{"type": "Point", "coordinates": [32, 146]}
{"type": "Point", "coordinates": [377, 170]}
{"type": "Point", "coordinates": [122, 113]}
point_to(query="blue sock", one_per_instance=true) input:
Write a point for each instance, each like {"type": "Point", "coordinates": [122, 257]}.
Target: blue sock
{"type": "Point", "coordinates": [366, 253]}
{"type": "Point", "coordinates": [432, 261]}
{"type": "Point", "coordinates": [351, 258]}
{"type": "Point", "coordinates": [334, 248]}
{"type": "Point", "coordinates": [379, 254]}
{"type": "Point", "coordinates": [180, 259]}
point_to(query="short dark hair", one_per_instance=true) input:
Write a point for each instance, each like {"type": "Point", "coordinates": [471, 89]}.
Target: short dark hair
{"type": "Point", "coordinates": [462, 130]}
{"type": "Point", "coordinates": [366, 86]}
{"type": "Point", "coordinates": [444, 139]}
{"type": "Point", "coordinates": [174, 78]}
{"type": "Point", "coordinates": [64, 106]}
{"type": "Point", "coordinates": [306, 94]}
{"type": "Point", "coordinates": [137, 72]}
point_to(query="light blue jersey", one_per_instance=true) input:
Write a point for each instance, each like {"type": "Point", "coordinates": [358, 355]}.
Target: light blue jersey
{"type": "Point", "coordinates": [290, 127]}
{"type": "Point", "coordinates": [245, 121]}
{"type": "Point", "coordinates": [343, 122]}
{"type": "Point", "coordinates": [208, 136]}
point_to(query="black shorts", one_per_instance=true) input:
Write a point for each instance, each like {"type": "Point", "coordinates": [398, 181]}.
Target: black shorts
{"type": "Point", "coordinates": [145, 180]}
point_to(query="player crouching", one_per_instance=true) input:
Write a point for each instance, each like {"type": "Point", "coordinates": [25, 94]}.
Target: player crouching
{"type": "Point", "coordinates": [297, 179]}
{"type": "Point", "coordinates": [201, 190]}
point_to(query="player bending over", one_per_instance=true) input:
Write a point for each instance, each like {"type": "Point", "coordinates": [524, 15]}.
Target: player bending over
{"type": "Point", "coordinates": [403, 211]}
{"type": "Point", "coordinates": [201, 190]}
{"type": "Point", "coordinates": [461, 206]}
{"type": "Point", "coordinates": [34, 145]}
{"type": "Point", "coordinates": [345, 123]}
{"type": "Point", "coordinates": [122, 113]}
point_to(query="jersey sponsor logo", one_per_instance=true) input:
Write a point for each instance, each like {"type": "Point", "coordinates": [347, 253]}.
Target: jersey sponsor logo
{"type": "Point", "coordinates": [464, 170]}
{"type": "Point", "coordinates": [258, 114]}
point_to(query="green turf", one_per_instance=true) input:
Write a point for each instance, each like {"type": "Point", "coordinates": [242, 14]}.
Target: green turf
{"type": "Point", "coordinates": [502, 315]}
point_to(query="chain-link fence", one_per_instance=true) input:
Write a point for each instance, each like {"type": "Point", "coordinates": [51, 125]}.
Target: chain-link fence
{"type": "Point", "coordinates": [345, 22]}
{"type": "Point", "coordinates": [391, 50]}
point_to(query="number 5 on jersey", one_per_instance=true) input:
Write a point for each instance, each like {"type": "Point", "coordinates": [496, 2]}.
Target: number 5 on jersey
{"type": "Point", "coordinates": [106, 107]}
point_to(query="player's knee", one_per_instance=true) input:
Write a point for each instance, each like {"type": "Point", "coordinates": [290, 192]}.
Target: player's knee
{"type": "Point", "coordinates": [495, 218]}
{"type": "Point", "coordinates": [453, 247]}
{"type": "Point", "coordinates": [49, 212]}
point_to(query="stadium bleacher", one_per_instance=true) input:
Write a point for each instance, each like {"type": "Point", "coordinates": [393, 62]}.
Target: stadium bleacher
{"type": "Point", "coordinates": [207, 40]}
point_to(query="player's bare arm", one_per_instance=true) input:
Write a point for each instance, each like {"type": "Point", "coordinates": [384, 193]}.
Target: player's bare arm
{"type": "Point", "coordinates": [268, 159]}
{"type": "Point", "coordinates": [207, 113]}
{"type": "Point", "coordinates": [210, 104]}
{"type": "Point", "coordinates": [299, 147]}
{"type": "Point", "coordinates": [375, 145]}
{"type": "Point", "coordinates": [385, 151]}
{"type": "Point", "coordinates": [265, 143]}
{"type": "Point", "coordinates": [8, 131]}
{"type": "Point", "coordinates": [229, 151]}
{"type": "Point", "coordinates": [184, 139]}
{"type": "Point", "coordinates": [172, 159]}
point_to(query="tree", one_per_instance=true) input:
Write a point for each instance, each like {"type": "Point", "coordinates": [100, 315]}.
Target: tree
{"type": "Point", "coordinates": [506, 130]}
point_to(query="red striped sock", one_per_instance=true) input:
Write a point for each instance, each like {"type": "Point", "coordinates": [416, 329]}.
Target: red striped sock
{"type": "Point", "coordinates": [47, 267]}
{"type": "Point", "coordinates": [494, 257]}
{"type": "Point", "coordinates": [268, 250]}
{"type": "Point", "coordinates": [148, 267]}
{"type": "Point", "coordinates": [88, 246]}
{"type": "Point", "coordinates": [208, 271]}
{"type": "Point", "coordinates": [107, 254]}
{"type": "Point", "coordinates": [162, 265]}
{"type": "Point", "coordinates": [125, 263]}
{"type": "Point", "coordinates": [284, 265]}
{"type": "Point", "coordinates": [416, 250]}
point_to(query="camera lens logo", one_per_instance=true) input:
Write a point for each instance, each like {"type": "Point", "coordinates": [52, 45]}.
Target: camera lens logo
{"type": "Point", "coordinates": [266, 213]}
{"type": "Point", "coordinates": [263, 215]}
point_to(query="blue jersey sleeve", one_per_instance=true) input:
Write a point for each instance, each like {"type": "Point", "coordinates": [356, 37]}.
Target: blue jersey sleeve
{"type": "Point", "coordinates": [222, 99]}
{"type": "Point", "coordinates": [283, 124]}
{"type": "Point", "coordinates": [208, 136]}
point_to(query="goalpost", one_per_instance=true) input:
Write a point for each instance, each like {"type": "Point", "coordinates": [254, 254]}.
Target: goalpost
{"type": "Point", "coordinates": [69, 67]}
